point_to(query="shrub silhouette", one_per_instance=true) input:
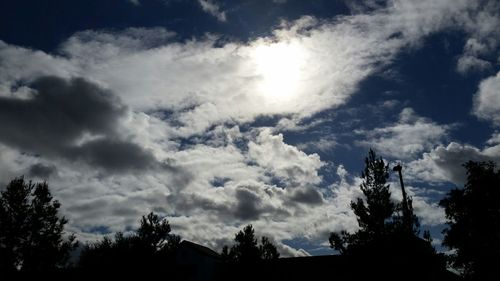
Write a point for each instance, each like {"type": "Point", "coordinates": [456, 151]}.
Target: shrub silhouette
{"type": "Point", "coordinates": [150, 247]}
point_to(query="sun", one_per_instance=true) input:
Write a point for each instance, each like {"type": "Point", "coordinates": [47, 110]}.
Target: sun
{"type": "Point", "coordinates": [279, 66]}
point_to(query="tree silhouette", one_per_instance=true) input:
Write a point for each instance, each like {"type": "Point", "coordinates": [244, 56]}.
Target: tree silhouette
{"type": "Point", "coordinates": [151, 246]}
{"type": "Point", "coordinates": [246, 248]}
{"type": "Point", "coordinates": [384, 226]}
{"type": "Point", "coordinates": [373, 213]}
{"type": "Point", "coordinates": [31, 233]}
{"type": "Point", "coordinates": [154, 233]}
{"type": "Point", "coordinates": [473, 218]}
{"type": "Point", "coordinates": [388, 232]}
{"type": "Point", "coordinates": [267, 249]}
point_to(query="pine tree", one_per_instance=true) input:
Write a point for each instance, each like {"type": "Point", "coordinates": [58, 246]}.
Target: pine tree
{"type": "Point", "coordinates": [384, 226]}
{"type": "Point", "coordinates": [373, 213]}
{"type": "Point", "coordinates": [246, 248]}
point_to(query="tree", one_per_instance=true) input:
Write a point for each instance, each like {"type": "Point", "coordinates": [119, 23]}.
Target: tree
{"type": "Point", "coordinates": [267, 249]}
{"type": "Point", "coordinates": [151, 246]}
{"type": "Point", "coordinates": [473, 218]}
{"type": "Point", "coordinates": [154, 233]}
{"type": "Point", "coordinates": [373, 215]}
{"type": "Point", "coordinates": [384, 226]}
{"type": "Point", "coordinates": [31, 232]}
{"type": "Point", "coordinates": [388, 232]}
{"type": "Point", "coordinates": [246, 248]}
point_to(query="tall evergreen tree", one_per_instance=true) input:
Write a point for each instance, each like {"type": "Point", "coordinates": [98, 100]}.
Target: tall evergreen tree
{"type": "Point", "coordinates": [382, 223]}
{"type": "Point", "coordinates": [31, 232]}
{"type": "Point", "coordinates": [373, 213]}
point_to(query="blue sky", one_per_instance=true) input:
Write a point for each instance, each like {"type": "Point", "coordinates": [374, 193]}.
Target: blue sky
{"type": "Point", "coordinates": [216, 114]}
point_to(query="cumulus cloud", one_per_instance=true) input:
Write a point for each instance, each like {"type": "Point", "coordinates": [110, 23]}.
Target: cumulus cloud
{"type": "Point", "coordinates": [487, 100]}
{"type": "Point", "coordinates": [407, 138]}
{"type": "Point", "coordinates": [71, 119]}
{"type": "Point", "coordinates": [213, 9]}
{"type": "Point", "coordinates": [444, 163]}
{"type": "Point", "coordinates": [285, 161]}
{"type": "Point", "coordinates": [467, 63]}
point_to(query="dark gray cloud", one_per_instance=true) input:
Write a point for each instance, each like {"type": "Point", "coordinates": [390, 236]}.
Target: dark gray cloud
{"type": "Point", "coordinates": [187, 204]}
{"type": "Point", "coordinates": [41, 170]}
{"type": "Point", "coordinates": [59, 114]}
{"type": "Point", "coordinates": [249, 205]}
{"type": "Point", "coordinates": [114, 155]}
{"type": "Point", "coordinates": [307, 195]}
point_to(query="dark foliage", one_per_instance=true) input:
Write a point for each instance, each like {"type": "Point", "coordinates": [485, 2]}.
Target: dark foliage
{"type": "Point", "coordinates": [31, 232]}
{"type": "Point", "coordinates": [473, 215]}
{"type": "Point", "coordinates": [267, 249]}
{"type": "Point", "coordinates": [387, 230]}
{"type": "Point", "coordinates": [247, 250]}
{"type": "Point", "coordinates": [151, 246]}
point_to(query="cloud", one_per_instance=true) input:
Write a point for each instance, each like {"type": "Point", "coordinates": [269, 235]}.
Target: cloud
{"type": "Point", "coordinates": [307, 195]}
{"type": "Point", "coordinates": [213, 9]}
{"type": "Point", "coordinates": [326, 144]}
{"type": "Point", "coordinates": [40, 170]}
{"type": "Point", "coordinates": [423, 201]}
{"type": "Point", "coordinates": [407, 138]}
{"type": "Point", "coordinates": [73, 120]}
{"type": "Point", "coordinates": [285, 161]}
{"type": "Point", "coordinates": [487, 100]}
{"type": "Point", "coordinates": [444, 163]}
{"type": "Point", "coordinates": [468, 63]}
{"type": "Point", "coordinates": [481, 23]}
{"type": "Point", "coordinates": [204, 82]}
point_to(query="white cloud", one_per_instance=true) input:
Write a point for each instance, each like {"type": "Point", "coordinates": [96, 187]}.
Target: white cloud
{"type": "Point", "coordinates": [444, 163]}
{"type": "Point", "coordinates": [494, 139]}
{"type": "Point", "coordinates": [407, 138]}
{"type": "Point", "coordinates": [213, 9]}
{"type": "Point", "coordinates": [482, 26]}
{"type": "Point", "coordinates": [487, 100]}
{"type": "Point", "coordinates": [204, 84]}
{"type": "Point", "coordinates": [468, 63]}
{"type": "Point", "coordinates": [285, 161]}
{"type": "Point", "coordinates": [326, 144]}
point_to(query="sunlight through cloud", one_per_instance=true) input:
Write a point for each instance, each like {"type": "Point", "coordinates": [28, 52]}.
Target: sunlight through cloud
{"type": "Point", "coordinates": [280, 65]}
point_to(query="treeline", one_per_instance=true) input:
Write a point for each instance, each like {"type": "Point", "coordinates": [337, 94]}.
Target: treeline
{"type": "Point", "coordinates": [32, 237]}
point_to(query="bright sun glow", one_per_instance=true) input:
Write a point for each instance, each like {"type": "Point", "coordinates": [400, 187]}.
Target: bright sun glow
{"type": "Point", "coordinates": [279, 65]}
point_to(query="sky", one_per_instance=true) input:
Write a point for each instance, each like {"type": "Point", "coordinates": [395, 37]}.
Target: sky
{"type": "Point", "coordinates": [217, 114]}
